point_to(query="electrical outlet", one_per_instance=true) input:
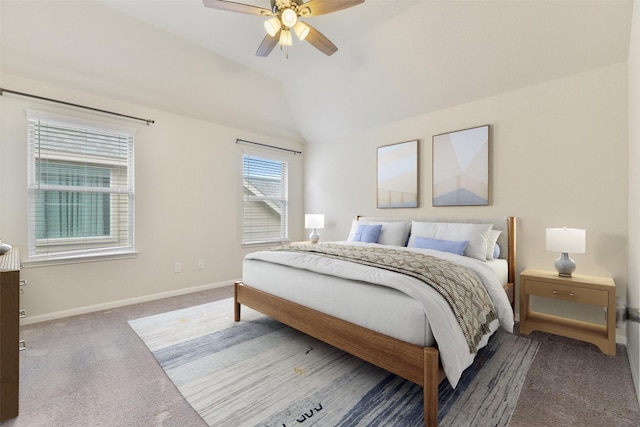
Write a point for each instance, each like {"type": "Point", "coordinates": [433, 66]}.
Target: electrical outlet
{"type": "Point", "coordinates": [177, 267]}
{"type": "Point", "coordinates": [200, 264]}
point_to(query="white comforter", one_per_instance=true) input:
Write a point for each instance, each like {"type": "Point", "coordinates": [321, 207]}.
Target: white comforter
{"type": "Point", "coordinates": [454, 351]}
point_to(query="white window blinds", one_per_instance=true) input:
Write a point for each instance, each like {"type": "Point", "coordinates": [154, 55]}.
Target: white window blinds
{"type": "Point", "coordinates": [81, 187]}
{"type": "Point", "coordinates": [265, 199]}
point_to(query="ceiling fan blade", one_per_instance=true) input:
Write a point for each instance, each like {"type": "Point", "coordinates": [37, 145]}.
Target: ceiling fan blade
{"type": "Point", "coordinates": [267, 45]}
{"type": "Point", "coordinates": [320, 42]}
{"type": "Point", "coordinates": [237, 7]}
{"type": "Point", "coordinates": [320, 7]}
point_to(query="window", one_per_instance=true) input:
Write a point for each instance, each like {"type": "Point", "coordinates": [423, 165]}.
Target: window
{"type": "Point", "coordinates": [80, 183]}
{"type": "Point", "coordinates": [265, 199]}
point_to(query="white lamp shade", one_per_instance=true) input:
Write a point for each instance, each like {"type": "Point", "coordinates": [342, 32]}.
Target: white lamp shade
{"type": "Point", "coordinates": [285, 38]}
{"type": "Point", "coordinates": [272, 26]}
{"type": "Point", "coordinates": [566, 240]}
{"type": "Point", "coordinates": [302, 30]}
{"type": "Point", "coordinates": [314, 221]}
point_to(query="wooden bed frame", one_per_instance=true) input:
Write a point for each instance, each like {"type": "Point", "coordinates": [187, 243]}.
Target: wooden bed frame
{"type": "Point", "coordinates": [412, 362]}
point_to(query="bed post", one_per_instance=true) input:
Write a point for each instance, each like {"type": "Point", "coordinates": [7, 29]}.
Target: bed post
{"type": "Point", "coordinates": [430, 386]}
{"type": "Point", "coordinates": [511, 261]}
{"type": "Point", "coordinates": [236, 304]}
{"type": "Point", "coordinates": [511, 229]}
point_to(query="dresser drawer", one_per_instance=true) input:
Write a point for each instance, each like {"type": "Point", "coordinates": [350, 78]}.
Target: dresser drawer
{"type": "Point", "coordinates": [563, 292]}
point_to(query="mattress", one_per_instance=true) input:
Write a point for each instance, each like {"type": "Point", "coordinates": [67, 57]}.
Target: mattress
{"type": "Point", "coordinates": [380, 308]}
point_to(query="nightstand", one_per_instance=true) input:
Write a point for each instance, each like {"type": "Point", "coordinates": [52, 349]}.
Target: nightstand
{"type": "Point", "coordinates": [598, 291]}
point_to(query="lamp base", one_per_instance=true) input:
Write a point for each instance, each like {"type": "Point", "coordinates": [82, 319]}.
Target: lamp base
{"type": "Point", "coordinates": [565, 265]}
{"type": "Point", "coordinates": [314, 236]}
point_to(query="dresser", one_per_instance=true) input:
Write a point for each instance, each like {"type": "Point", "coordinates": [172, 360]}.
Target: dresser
{"type": "Point", "coordinates": [9, 333]}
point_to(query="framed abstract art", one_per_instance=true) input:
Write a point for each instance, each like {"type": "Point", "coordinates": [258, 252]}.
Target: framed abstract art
{"type": "Point", "coordinates": [461, 168]}
{"type": "Point", "coordinates": [398, 175]}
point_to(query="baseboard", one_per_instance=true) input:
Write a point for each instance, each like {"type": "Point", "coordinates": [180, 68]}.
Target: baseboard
{"type": "Point", "coordinates": [633, 334]}
{"type": "Point", "coordinates": [634, 374]}
{"type": "Point", "coordinates": [120, 303]}
{"type": "Point", "coordinates": [620, 337]}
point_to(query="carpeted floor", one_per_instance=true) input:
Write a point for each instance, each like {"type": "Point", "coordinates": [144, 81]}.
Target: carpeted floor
{"type": "Point", "coordinates": [93, 370]}
{"type": "Point", "coordinates": [572, 383]}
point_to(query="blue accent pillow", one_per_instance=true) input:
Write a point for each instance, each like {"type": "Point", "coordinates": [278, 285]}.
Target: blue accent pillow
{"type": "Point", "coordinates": [496, 251]}
{"type": "Point", "coordinates": [367, 233]}
{"type": "Point", "coordinates": [440, 245]}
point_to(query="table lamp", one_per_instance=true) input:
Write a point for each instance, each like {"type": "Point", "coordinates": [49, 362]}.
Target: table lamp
{"type": "Point", "coordinates": [565, 240]}
{"type": "Point", "coordinates": [314, 221]}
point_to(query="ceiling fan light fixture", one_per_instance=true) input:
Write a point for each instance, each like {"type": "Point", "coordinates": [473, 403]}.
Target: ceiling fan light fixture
{"type": "Point", "coordinates": [285, 38]}
{"type": "Point", "coordinates": [289, 18]}
{"type": "Point", "coordinates": [272, 26]}
{"type": "Point", "coordinates": [301, 29]}
{"type": "Point", "coordinates": [282, 17]}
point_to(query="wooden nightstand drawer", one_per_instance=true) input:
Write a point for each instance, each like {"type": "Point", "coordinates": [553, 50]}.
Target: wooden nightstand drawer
{"type": "Point", "coordinates": [574, 293]}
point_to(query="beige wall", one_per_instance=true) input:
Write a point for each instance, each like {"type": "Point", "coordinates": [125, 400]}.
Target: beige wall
{"type": "Point", "coordinates": [187, 200]}
{"type": "Point", "coordinates": [633, 294]}
{"type": "Point", "coordinates": [559, 157]}
{"type": "Point", "coordinates": [186, 164]}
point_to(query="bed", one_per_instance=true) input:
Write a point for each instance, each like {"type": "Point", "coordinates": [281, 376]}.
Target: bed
{"type": "Point", "coordinates": [380, 314]}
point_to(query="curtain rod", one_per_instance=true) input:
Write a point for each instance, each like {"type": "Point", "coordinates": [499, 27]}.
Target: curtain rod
{"type": "Point", "coordinates": [242, 141]}
{"type": "Point", "coordinates": [2, 90]}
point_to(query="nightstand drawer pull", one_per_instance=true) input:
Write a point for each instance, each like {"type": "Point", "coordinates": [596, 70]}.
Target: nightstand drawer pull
{"type": "Point", "coordinates": [22, 345]}
{"type": "Point", "coordinates": [569, 294]}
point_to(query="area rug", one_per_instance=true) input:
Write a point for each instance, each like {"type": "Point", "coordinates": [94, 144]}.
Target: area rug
{"type": "Point", "coordinates": [258, 372]}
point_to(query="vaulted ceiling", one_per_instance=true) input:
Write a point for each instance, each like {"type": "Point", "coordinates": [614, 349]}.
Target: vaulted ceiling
{"type": "Point", "coordinates": [396, 58]}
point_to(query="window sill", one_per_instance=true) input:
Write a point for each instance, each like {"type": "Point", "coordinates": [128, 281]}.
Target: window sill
{"type": "Point", "coordinates": [265, 244]}
{"type": "Point", "coordinates": [48, 262]}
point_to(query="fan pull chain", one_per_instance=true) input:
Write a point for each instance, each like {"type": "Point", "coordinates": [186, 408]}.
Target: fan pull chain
{"type": "Point", "coordinates": [286, 51]}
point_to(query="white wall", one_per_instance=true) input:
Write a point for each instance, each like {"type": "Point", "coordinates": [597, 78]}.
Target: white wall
{"type": "Point", "coordinates": [559, 157]}
{"type": "Point", "coordinates": [187, 163]}
{"type": "Point", "coordinates": [1, 68]}
{"type": "Point", "coordinates": [633, 294]}
{"type": "Point", "coordinates": [187, 196]}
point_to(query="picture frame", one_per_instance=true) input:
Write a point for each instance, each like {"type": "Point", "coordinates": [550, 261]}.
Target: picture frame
{"type": "Point", "coordinates": [461, 167]}
{"type": "Point", "coordinates": [398, 175]}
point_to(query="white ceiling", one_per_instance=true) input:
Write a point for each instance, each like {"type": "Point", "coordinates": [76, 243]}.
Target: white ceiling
{"type": "Point", "coordinates": [400, 58]}
{"type": "Point", "coordinates": [396, 58]}
{"type": "Point", "coordinates": [237, 36]}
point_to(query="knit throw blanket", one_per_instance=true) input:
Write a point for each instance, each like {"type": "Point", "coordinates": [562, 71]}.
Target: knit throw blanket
{"type": "Point", "coordinates": [459, 286]}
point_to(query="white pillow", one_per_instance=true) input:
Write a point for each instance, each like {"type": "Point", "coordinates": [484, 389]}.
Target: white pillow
{"type": "Point", "coordinates": [354, 225]}
{"type": "Point", "coordinates": [492, 240]}
{"type": "Point", "coordinates": [392, 233]}
{"type": "Point", "coordinates": [476, 234]}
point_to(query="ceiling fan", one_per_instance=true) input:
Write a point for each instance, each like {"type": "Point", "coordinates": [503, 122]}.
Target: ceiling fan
{"type": "Point", "coordinates": [284, 16]}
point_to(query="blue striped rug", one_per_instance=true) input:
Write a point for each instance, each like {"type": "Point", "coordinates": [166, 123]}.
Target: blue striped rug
{"type": "Point", "coordinates": [258, 372]}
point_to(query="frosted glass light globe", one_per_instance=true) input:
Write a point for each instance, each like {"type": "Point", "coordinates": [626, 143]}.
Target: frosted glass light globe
{"type": "Point", "coordinates": [289, 18]}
